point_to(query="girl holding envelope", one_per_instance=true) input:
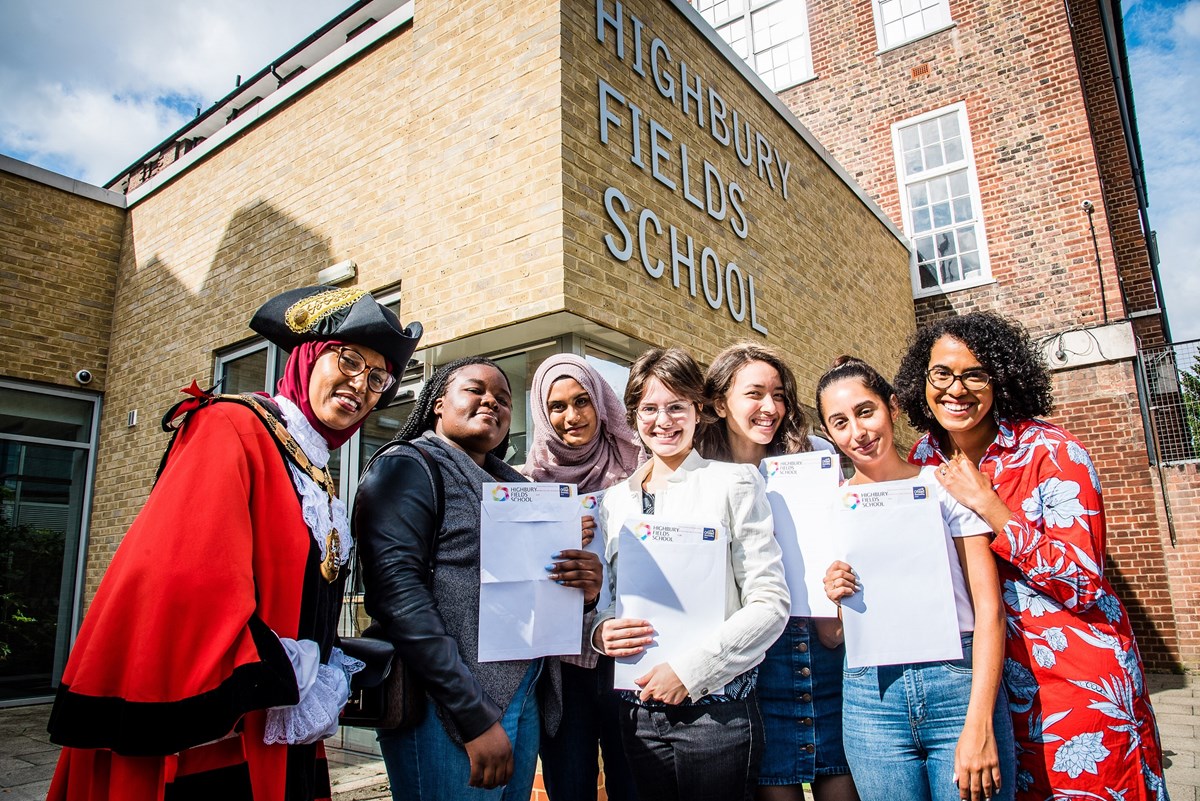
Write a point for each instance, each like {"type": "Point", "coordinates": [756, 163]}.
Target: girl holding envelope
{"type": "Point", "coordinates": [420, 557]}
{"type": "Point", "coordinates": [580, 437]}
{"type": "Point", "coordinates": [977, 384]}
{"type": "Point", "coordinates": [930, 730]}
{"type": "Point", "coordinates": [694, 729]}
{"type": "Point", "coordinates": [751, 392]}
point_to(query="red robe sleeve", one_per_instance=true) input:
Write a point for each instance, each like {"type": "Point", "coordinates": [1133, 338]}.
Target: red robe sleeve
{"type": "Point", "coordinates": [178, 644]}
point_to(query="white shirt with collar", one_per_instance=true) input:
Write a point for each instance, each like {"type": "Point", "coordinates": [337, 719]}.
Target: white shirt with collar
{"type": "Point", "coordinates": [756, 596]}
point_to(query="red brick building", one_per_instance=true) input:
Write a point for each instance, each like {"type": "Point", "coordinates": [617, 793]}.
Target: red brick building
{"type": "Point", "coordinates": [1001, 138]}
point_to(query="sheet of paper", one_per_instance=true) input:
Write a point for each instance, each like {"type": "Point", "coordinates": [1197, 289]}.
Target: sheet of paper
{"type": "Point", "coordinates": [673, 575]}
{"type": "Point", "coordinates": [801, 489]}
{"type": "Point", "coordinates": [522, 614]}
{"type": "Point", "coordinates": [892, 536]}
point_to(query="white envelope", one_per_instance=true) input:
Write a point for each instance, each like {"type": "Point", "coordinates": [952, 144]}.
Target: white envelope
{"type": "Point", "coordinates": [892, 536]}
{"type": "Point", "coordinates": [673, 575]}
{"type": "Point", "coordinates": [800, 489]}
{"type": "Point", "coordinates": [522, 614]}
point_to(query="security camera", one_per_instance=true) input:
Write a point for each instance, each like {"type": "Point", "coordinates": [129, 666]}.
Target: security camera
{"type": "Point", "coordinates": [84, 376]}
{"type": "Point", "coordinates": [1087, 206]}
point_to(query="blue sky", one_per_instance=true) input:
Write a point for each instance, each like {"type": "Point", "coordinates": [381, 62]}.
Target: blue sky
{"type": "Point", "coordinates": [89, 87]}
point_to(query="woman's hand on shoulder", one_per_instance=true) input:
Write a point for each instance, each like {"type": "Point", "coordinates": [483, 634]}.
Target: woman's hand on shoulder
{"type": "Point", "coordinates": [973, 490]}
{"type": "Point", "coordinates": [662, 684]}
{"type": "Point", "coordinates": [623, 636]}
{"type": "Point", "coordinates": [840, 582]}
{"type": "Point", "coordinates": [580, 569]}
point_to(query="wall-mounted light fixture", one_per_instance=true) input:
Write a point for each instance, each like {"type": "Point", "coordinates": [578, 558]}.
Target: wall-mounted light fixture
{"type": "Point", "coordinates": [342, 271]}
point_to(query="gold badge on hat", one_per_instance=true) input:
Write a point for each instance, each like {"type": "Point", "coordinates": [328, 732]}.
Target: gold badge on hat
{"type": "Point", "coordinates": [306, 313]}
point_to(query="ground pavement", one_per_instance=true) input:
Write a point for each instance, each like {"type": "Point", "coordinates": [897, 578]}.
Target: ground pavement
{"type": "Point", "coordinates": [27, 757]}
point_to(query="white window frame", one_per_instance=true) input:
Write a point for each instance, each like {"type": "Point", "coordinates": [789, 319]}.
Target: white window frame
{"type": "Point", "coordinates": [803, 66]}
{"type": "Point", "coordinates": [903, 182]}
{"type": "Point", "coordinates": [881, 37]}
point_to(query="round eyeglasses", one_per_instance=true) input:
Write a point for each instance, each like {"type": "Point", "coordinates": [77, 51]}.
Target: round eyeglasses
{"type": "Point", "coordinates": [648, 413]}
{"type": "Point", "coordinates": [352, 363]}
{"type": "Point", "coordinates": [943, 378]}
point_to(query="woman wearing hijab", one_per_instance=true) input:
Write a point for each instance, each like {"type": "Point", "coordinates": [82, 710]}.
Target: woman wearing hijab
{"type": "Point", "coordinates": [205, 666]}
{"type": "Point", "coordinates": [580, 436]}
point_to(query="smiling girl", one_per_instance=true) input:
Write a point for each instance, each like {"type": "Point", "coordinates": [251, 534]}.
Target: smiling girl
{"type": "Point", "coordinates": [752, 394]}
{"type": "Point", "coordinates": [915, 731]}
{"type": "Point", "coordinates": [694, 729]}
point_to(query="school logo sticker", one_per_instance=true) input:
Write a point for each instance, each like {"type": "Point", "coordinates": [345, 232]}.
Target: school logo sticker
{"type": "Point", "coordinates": [589, 502]}
{"type": "Point", "coordinates": [710, 535]}
{"type": "Point", "coordinates": [643, 530]}
{"type": "Point", "coordinates": [826, 462]}
{"type": "Point", "coordinates": [564, 491]}
{"type": "Point", "coordinates": [772, 467]}
{"type": "Point", "coordinates": [500, 493]}
{"type": "Point", "coordinates": [851, 500]}
{"type": "Point", "coordinates": [919, 493]}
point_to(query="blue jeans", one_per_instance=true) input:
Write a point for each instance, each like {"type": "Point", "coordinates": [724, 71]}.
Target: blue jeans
{"type": "Point", "coordinates": [424, 764]}
{"type": "Point", "coordinates": [569, 766]}
{"type": "Point", "coordinates": [901, 725]}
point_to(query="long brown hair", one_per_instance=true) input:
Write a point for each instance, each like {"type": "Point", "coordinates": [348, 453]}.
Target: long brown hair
{"type": "Point", "coordinates": [677, 371]}
{"type": "Point", "coordinates": [792, 435]}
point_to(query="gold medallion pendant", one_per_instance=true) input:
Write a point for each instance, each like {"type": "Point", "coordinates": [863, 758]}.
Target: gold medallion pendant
{"type": "Point", "coordinates": [330, 567]}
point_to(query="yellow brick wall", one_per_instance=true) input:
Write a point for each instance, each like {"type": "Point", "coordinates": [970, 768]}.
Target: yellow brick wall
{"type": "Point", "coordinates": [829, 276]}
{"type": "Point", "coordinates": [58, 267]}
{"type": "Point", "coordinates": [432, 160]}
{"type": "Point", "coordinates": [460, 158]}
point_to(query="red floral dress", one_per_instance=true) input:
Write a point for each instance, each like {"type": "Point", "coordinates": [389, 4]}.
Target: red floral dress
{"type": "Point", "coordinates": [1081, 712]}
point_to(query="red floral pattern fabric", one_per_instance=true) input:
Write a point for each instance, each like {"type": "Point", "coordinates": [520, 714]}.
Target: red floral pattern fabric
{"type": "Point", "coordinates": [1084, 726]}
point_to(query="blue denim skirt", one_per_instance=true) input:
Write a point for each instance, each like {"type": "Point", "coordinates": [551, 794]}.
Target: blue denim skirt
{"type": "Point", "coordinates": [800, 693]}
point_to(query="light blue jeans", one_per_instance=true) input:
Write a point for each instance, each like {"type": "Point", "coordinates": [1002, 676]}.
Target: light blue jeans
{"type": "Point", "coordinates": [901, 724]}
{"type": "Point", "coordinates": [424, 764]}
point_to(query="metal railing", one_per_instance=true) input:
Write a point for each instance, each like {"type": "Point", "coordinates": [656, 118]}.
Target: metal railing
{"type": "Point", "coordinates": [1171, 380]}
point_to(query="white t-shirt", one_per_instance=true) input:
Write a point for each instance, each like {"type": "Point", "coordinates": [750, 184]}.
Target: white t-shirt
{"type": "Point", "coordinates": [957, 521]}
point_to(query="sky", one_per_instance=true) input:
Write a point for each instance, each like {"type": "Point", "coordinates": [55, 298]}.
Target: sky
{"type": "Point", "coordinates": [86, 88]}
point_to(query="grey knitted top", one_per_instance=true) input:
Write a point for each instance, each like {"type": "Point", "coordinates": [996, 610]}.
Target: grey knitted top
{"type": "Point", "coordinates": [456, 581]}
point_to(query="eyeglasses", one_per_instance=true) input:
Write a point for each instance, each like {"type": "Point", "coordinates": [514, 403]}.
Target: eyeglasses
{"type": "Point", "coordinates": [648, 413]}
{"type": "Point", "coordinates": [352, 364]}
{"type": "Point", "coordinates": [973, 380]}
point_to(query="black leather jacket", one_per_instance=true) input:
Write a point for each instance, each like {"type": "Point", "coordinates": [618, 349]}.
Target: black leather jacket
{"type": "Point", "coordinates": [395, 524]}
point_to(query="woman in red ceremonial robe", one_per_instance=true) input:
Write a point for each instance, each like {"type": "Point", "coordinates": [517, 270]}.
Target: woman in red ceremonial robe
{"type": "Point", "coordinates": [206, 665]}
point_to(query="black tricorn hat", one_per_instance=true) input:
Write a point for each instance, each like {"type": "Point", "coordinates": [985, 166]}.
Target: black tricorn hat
{"type": "Point", "coordinates": [317, 313]}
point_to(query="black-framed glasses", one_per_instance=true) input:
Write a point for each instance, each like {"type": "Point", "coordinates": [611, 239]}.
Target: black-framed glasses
{"type": "Point", "coordinates": [352, 363]}
{"type": "Point", "coordinates": [676, 410]}
{"type": "Point", "coordinates": [943, 378]}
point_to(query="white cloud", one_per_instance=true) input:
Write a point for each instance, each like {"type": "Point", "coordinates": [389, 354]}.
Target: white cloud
{"type": "Point", "coordinates": [89, 87]}
{"type": "Point", "coordinates": [1165, 67]}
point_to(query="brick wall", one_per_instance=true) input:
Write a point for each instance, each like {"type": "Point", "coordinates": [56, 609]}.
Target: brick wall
{"type": "Point", "coordinates": [58, 265]}
{"type": "Point", "coordinates": [1090, 404]}
{"type": "Point", "coordinates": [443, 158]}
{"type": "Point", "coordinates": [820, 259]}
{"type": "Point", "coordinates": [1183, 558]}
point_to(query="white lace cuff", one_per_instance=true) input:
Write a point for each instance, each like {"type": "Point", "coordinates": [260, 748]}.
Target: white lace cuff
{"type": "Point", "coordinates": [316, 716]}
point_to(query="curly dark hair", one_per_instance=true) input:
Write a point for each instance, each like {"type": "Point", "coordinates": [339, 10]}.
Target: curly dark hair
{"type": "Point", "coordinates": [422, 418]}
{"type": "Point", "coordinates": [1021, 386]}
{"type": "Point", "coordinates": [792, 435]}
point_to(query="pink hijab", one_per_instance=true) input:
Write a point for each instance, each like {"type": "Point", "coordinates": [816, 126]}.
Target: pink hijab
{"type": "Point", "coordinates": [294, 386]}
{"type": "Point", "coordinates": [612, 455]}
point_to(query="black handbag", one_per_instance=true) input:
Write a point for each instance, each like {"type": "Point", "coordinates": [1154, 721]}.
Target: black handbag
{"type": "Point", "coordinates": [385, 694]}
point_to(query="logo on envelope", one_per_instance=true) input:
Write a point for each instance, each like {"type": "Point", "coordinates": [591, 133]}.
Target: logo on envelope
{"type": "Point", "coordinates": [589, 502]}
{"type": "Point", "coordinates": [643, 530]}
{"type": "Point", "coordinates": [919, 493]}
{"type": "Point", "coordinates": [564, 491]}
{"type": "Point", "coordinates": [710, 535]}
{"type": "Point", "coordinates": [850, 500]}
{"type": "Point", "coordinates": [772, 467]}
{"type": "Point", "coordinates": [500, 493]}
{"type": "Point", "coordinates": [826, 462]}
